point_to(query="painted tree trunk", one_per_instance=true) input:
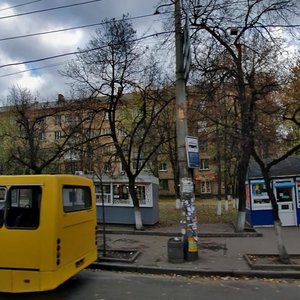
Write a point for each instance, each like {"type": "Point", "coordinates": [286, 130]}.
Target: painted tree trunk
{"type": "Point", "coordinates": [138, 218]}
{"type": "Point", "coordinates": [241, 218]}
{"type": "Point", "coordinates": [136, 204]}
{"type": "Point", "coordinates": [283, 254]}
{"type": "Point", "coordinates": [242, 171]}
{"type": "Point", "coordinates": [219, 208]}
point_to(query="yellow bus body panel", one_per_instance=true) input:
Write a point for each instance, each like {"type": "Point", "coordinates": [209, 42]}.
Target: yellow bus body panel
{"type": "Point", "coordinates": [29, 258]}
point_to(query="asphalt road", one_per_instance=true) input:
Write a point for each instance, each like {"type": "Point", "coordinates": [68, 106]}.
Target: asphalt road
{"type": "Point", "coordinates": [108, 285]}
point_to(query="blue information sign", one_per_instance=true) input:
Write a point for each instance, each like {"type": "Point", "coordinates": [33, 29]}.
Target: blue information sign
{"type": "Point", "coordinates": [192, 151]}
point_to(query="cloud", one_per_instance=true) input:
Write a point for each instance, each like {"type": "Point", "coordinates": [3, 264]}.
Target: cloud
{"type": "Point", "coordinates": [46, 80]}
{"type": "Point", "coordinates": [63, 40]}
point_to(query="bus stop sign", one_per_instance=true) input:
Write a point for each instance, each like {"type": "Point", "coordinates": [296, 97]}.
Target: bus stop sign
{"type": "Point", "coordinates": [192, 151]}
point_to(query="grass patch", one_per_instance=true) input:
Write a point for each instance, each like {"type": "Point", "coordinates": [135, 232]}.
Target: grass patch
{"type": "Point", "coordinates": [206, 212]}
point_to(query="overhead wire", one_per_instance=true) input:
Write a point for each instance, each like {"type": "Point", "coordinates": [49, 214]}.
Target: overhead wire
{"type": "Point", "coordinates": [33, 69]}
{"type": "Point", "coordinates": [70, 53]}
{"type": "Point", "coordinates": [72, 28]}
{"type": "Point", "coordinates": [49, 9]}
{"type": "Point", "coordinates": [18, 5]}
{"type": "Point", "coordinates": [77, 52]}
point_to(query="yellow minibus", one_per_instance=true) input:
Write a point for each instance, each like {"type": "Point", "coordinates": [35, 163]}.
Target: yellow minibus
{"type": "Point", "coordinates": [47, 230]}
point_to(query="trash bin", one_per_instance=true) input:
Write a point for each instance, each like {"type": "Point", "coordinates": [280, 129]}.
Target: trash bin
{"type": "Point", "coordinates": [175, 250]}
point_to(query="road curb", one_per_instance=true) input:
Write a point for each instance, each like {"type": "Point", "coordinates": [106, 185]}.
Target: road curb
{"type": "Point", "coordinates": [175, 234]}
{"type": "Point", "coordinates": [186, 272]}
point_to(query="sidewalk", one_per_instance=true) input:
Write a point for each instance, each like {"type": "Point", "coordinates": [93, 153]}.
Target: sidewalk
{"type": "Point", "coordinates": [221, 250]}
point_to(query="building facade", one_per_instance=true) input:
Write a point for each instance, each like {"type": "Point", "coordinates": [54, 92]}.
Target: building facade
{"type": "Point", "coordinates": [81, 130]}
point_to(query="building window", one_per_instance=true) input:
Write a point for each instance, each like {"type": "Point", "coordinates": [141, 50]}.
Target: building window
{"type": "Point", "coordinates": [106, 131]}
{"type": "Point", "coordinates": [202, 126]}
{"type": "Point", "coordinates": [90, 133]}
{"type": "Point", "coordinates": [164, 184]}
{"type": "Point", "coordinates": [138, 165]}
{"type": "Point", "coordinates": [163, 167]}
{"type": "Point", "coordinates": [42, 135]}
{"type": "Point", "coordinates": [205, 187]}
{"type": "Point", "coordinates": [90, 115]}
{"type": "Point", "coordinates": [109, 149]}
{"type": "Point", "coordinates": [57, 119]}
{"type": "Point", "coordinates": [106, 115]}
{"type": "Point", "coordinates": [123, 132]}
{"type": "Point", "coordinates": [204, 164]}
{"type": "Point", "coordinates": [57, 135]}
{"type": "Point", "coordinates": [42, 120]}
{"type": "Point", "coordinates": [203, 147]}
{"type": "Point", "coordinates": [107, 167]}
{"type": "Point", "coordinates": [68, 119]}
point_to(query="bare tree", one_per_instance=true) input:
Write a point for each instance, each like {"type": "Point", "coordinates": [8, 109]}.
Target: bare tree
{"type": "Point", "coordinates": [29, 148]}
{"type": "Point", "coordinates": [276, 117]}
{"type": "Point", "coordinates": [110, 65]}
{"type": "Point", "coordinates": [31, 141]}
{"type": "Point", "coordinates": [242, 54]}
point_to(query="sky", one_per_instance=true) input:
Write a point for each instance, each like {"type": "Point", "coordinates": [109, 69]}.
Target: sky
{"type": "Point", "coordinates": [42, 77]}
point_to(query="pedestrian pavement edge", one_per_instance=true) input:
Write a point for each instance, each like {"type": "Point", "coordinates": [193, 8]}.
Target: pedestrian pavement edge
{"type": "Point", "coordinates": [190, 272]}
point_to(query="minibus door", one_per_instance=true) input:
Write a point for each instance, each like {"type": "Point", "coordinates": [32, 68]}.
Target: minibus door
{"type": "Point", "coordinates": [20, 243]}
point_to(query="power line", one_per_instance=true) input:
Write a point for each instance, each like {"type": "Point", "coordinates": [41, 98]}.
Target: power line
{"type": "Point", "coordinates": [71, 28]}
{"type": "Point", "coordinates": [76, 52]}
{"type": "Point", "coordinates": [18, 5]}
{"type": "Point", "coordinates": [36, 69]}
{"type": "Point", "coordinates": [49, 9]}
{"type": "Point", "coordinates": [32, 69]}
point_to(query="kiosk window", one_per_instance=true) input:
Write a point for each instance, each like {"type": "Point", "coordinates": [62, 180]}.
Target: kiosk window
{"type": "Point", "coordinates": [284, 194]}
{"type": "Point", "coordinates": [259, 189]}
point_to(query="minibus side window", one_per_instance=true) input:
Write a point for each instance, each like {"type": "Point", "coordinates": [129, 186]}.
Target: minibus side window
{"type": "Point", "coordinates": [23, 207]}
{"type": "Point", "coordinates": [2, 205]}
{"type": "Point", "coordinates": [76, 198]}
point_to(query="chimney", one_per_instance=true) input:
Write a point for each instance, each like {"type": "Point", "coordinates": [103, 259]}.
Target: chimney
{"type": "Point", "coordinates": [61, 98]}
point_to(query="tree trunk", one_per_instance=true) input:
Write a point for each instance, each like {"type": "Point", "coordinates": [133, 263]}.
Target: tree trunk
{"type": "Point", "coordinates": [241, 218]}
{"type": "Point", "coordinates": [283, 254]}
{"type": "Point", "coordinates": [242, 172]}
{"type": "Point", "coordinates": [138, 218]}
{"type": "Point", "coordinates": [219, 207]}
{"type": "Point", "coordinates": [136, 204]}
{"type": "Point", "coordinates": [226, 204]}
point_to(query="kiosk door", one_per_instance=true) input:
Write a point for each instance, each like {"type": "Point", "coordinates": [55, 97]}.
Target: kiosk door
{"type": "Point", "coordinates": [286, 203]}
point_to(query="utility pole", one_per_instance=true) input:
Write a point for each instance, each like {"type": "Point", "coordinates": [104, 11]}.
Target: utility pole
{"type": "Point", "coordinates": [189, 231]}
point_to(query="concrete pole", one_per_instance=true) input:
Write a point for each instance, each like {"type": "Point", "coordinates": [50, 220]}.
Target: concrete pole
{"type": "Point", "coordinates": [185, 175]}
{"type": "Point", "coordinates": [181, 107]}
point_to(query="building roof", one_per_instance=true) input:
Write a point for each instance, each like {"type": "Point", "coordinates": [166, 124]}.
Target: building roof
{"type": "Point", "coordinates": [288, 167]}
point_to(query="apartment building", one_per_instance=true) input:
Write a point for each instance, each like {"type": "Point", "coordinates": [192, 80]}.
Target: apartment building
{"type": "Point", "coordinates": [81, 131]}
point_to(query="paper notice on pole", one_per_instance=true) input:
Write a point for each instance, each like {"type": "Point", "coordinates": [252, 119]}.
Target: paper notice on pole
{"type": "Point", "coordinates": [187, 186]}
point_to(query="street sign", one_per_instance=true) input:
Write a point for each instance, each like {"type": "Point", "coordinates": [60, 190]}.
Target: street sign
{"type": "Point", "coordinates": [192, 151]}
